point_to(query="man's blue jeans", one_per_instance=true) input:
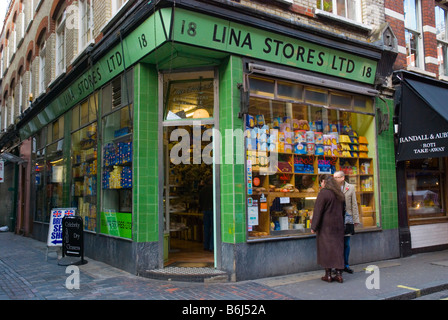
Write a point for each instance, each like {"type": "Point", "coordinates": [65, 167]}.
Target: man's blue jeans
{"type": "Point", "coordinates": [346, 250]}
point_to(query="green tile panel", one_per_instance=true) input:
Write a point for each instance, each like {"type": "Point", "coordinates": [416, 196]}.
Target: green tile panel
{"type": "Point", "coordinates": [233, 212]}
{"type": "Point", "coordinates": [145, 175]}
{"type": "Point", "coordinates": [387, 173]}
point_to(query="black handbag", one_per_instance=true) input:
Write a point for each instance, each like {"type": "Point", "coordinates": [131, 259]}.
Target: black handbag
{"type": "Point", "coordinates": [349, 229]}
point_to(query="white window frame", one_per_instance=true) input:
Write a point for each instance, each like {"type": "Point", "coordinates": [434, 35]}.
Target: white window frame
{"type": "Point", "coordinates": [13, 101]}
{"type": "Point", "coordinates": [20, 94]}
{"type": "Point", "coordinates": [30, 84]}
{"type": "Point", "coordinates": [14, 33]}
{"type": "Point", "coordinates": [442, 44]}
{"type": "Point", "coordinates": [42, 62]}
{"type": "Point", "coordinates": [117, 5]}
{"type": "Point", "coordinates": [419, 61]}
{"type": "Point", "coordinates": [334, 11]}
{"type": "Point", "coordinates": [5, 117]}
{"type": "Point", "coordinates": [23, 20]}
{"type": "Point", "coordinates": [8, 51]}
{"type": "Point", "coordinates": [85, 24]}
{"type": "Point", "coordinates": [60, 45]}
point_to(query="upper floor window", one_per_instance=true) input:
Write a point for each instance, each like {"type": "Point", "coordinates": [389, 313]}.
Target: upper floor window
{"type": "Point", "coordinates": [86, 22]}
{"type": "Point", "coordinates": [350, 9]}
{"type": "Point", "coordinates": [413, 33]}
{"type": "Point", "coordinates": [5, 116]}
{"type": "Point", "coordinates": [116, 5]}
{"type": "Point", "coordinates": [13, 101]}
{"type": "Point", "coordinates": [442, 39]}
{"type": "Point", "coordinates": [42, 62]}
{"type": "Point", "coordinates": [14, 33]}
{"type": "Point", "coordinates": [8, 50]}
{"type": "Point", "coordinates": [20, 90]}
{"type": "Point", "coordinates": [60, 43]}
{"type": "Point", "coordinates": [22, 29]}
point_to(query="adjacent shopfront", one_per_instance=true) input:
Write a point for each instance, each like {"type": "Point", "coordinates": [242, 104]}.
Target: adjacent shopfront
{"type": "Point", "coordinates": [190, 99]}
{"type": "Point", "coordinates": [422, 150]}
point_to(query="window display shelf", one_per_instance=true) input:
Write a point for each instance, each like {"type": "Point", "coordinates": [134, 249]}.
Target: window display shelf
{"type": "Point", "coordinates": [117, 173]}
{"type": "Point", "coordinates": [290, 189]}
{"type": "Point", "coordinates": [84, 174]}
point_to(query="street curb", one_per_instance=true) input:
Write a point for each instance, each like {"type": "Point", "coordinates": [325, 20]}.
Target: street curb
{"type": "Point", "coordinates": [414, 294]}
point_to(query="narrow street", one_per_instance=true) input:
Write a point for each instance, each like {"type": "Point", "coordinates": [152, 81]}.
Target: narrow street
{"type": "Point", "coordinates": [27, 275]}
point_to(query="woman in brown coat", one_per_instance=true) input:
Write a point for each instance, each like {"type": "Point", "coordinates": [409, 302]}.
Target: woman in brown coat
{"type": "Point", "coordinates": [328, 224]}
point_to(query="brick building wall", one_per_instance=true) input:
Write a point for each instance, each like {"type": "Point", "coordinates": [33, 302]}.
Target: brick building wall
{"type": "Point", "coordinates": [37, 19]}
{"type": "Point", "coordinates": [394, 11]}
{"type": "Point", "coordinates": [304, 12]}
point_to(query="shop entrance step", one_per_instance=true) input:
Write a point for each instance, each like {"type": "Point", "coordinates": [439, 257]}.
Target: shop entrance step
{"type": "Point", "coordinates": [188, 274]}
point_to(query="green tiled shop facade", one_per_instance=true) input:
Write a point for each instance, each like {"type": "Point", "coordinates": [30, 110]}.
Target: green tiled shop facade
{"type": "Point", "coordinates": [387, 174]}
{"type": "Point", "coordinates": [233, 210]}
{"type": "Point", "coordinates": [145, 174]}
{"type": "Point", "coordinates": [238, 254]}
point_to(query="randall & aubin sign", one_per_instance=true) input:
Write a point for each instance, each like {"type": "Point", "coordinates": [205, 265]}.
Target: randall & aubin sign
{"type": "Point", "coordinates": [428, 145]}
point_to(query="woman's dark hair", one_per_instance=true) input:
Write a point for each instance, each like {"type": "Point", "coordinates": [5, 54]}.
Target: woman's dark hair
{"type": "Point", "coordinates": [332, 185]}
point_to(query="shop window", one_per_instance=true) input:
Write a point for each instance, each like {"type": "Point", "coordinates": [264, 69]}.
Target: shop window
{"type": "Point", "coordinates": [49, 169]}
{"type": "Point", "coordinates": [84, 155]}
{"type": "Point", "coordinates": [290, 91]}
{"type": "Point", "coordinates": [75, 117]}
{"type": "Point", "coordinates": [305, 140]}
{"type": "Point", "coordinates": [39, 176]}
{"type": "Point", "coordinates": [426, 194]}
{"type": "Point", "coordinates": [189, 96]}
{"type": "Point", "coordinates": [262, 87]}
{"type": "Point", "coordinates": [362, 104]}
{"type": "Point", "coordinates": [117, 158]}
{"type": "Point", "coordinates": [340, 100]}
{"type": "Point", "coordinates": [316, 96]}
{"type": "Point", "coordinates": [55, 171]}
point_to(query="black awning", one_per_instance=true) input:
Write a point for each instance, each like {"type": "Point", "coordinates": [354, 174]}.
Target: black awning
{"type": "Point", "coordinates": [423, 120]}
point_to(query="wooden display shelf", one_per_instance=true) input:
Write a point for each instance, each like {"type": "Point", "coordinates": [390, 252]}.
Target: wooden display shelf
{"type": "Point", "coordinates": [366, 198]}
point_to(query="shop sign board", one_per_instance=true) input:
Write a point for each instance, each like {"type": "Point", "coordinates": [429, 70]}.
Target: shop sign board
{"type": "Point", "coordinates": [117, 224]}
{"type": "Point", "coordinates": [423, 122]}
{"type": "Point", "coordinates": [2, 171]}
{"type": "Point", "coordinates": [208, 32]}
{"type": "Point", "coordinates": [55, 228]}
{"type": "Point", "coordinates": [73, 236]}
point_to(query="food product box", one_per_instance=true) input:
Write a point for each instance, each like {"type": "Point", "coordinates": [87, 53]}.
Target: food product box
{"type": "Point", "coordinates": [300, 148]}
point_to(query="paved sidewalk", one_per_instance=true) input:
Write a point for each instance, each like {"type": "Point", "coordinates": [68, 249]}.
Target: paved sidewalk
{"type": "Point", "coordinates": [26, 275]}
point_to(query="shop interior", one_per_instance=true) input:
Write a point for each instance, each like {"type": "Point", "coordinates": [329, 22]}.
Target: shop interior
{"type": "Point", "coordinates": [188, 164]}
{"type": "Point", "coordinates": [188, 197]}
